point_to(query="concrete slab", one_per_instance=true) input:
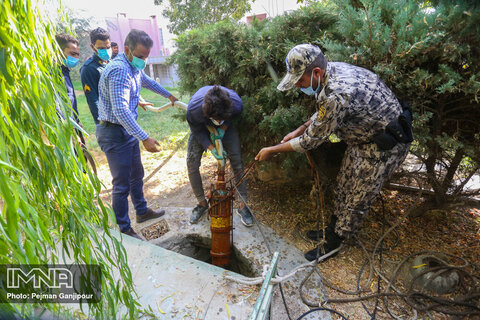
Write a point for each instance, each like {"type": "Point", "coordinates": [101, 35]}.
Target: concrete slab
{"type": "Point", "coordinates": [179, 287]}
{"type": "Point", "coordinates": [176, 286]}
{"type": "Point", "coordinates": [249, 246]}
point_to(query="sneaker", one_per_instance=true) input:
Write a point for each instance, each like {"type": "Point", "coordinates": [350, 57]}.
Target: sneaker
{"type": "Point", "coordinates": [132, 233]}
{"type": "Point", "coordinates": [150, 214]}
{"type": "Point", "coordinates": [246, 215]}
{"type": "Point", "coordinates": [197, 213]}
{"type": "Point", "coordinates": [333, 241]}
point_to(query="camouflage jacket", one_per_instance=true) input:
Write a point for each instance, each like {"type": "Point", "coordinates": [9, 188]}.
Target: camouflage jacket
{"type": "Point", "coordinates": [354, 104]}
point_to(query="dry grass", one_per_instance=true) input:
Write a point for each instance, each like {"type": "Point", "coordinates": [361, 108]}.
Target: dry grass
{"type": "Point", "coordinates": [290, 211]}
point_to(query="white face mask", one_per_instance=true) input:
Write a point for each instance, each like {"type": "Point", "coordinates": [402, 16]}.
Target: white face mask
{"type": "Point", "coordinates": [217, 123]}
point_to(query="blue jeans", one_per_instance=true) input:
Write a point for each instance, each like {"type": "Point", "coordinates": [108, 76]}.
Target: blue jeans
{"type": "Point", "coordinates": [231, 144]}
{"type": "Point", "coordinates": [123, 155]}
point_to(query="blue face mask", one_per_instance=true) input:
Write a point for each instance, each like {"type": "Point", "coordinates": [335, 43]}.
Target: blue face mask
{"type": "Point", "coordinates": [309, 91]}
{"type": "Point", "coordinates": [70, 62]}
{"type": "Point", "coordinates": [104, 54]}
{"type": "Point", "coordinates": [138, 63]}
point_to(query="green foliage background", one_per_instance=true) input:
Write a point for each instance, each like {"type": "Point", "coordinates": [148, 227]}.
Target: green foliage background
{"type": "Point", "coordinates": [189, 14]}
{"type": "Point", "coordinates": [249, 60]}
{"type": "Point", "coordinates": [49, 199]}
{"type": "Point", "coordinates": [427, 55]}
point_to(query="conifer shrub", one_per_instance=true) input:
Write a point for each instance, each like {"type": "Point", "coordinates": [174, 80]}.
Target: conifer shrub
{"type": "Point", "coordinates": [251, 61]}
{"type": "Point", "coordinates": [429, 57]}
{"type": "Point", "coordinates": [426, 52]}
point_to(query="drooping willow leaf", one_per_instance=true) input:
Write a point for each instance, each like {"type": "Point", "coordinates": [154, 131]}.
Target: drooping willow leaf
{"type": "Point", "coordinates": [49, 198]}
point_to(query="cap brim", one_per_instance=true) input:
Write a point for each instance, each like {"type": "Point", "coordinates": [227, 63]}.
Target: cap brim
{"type": "Point", "coordinates": [289, 81]}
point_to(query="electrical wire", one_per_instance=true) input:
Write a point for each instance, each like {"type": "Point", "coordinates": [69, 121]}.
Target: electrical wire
{"type": "Point", "coordinates": [416, 300]}
{"type": "Point", "coordinates": [322, 309]}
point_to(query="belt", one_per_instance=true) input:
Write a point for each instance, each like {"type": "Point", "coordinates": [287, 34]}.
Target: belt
{"type": "Point", "coordinates": [109, 124]}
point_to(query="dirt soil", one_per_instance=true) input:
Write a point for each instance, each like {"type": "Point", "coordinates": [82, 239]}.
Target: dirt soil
{"type": "Point", "coordinates": [290, 211]}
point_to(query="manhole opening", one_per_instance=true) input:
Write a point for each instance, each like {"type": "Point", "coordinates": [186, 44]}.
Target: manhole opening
{"type": "Point", "coordinates": [198, 248]}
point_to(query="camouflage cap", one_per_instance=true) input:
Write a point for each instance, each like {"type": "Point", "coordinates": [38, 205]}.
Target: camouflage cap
{"type": "Point", "coordinates": [297, 60]}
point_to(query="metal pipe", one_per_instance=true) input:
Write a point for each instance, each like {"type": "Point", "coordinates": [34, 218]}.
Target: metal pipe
{"type": "Point", "coordinates": [220, 207]}
{"type": "Point", "coordinates": [220, 211]}
{"type": "Point", "coordinates": [168, 105]}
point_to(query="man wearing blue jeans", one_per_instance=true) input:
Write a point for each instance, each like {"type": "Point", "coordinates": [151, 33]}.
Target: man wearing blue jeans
{"type": "Point", "coordinates": [118, 132]}
{"type": "Point", "coordinates": [214, 106]}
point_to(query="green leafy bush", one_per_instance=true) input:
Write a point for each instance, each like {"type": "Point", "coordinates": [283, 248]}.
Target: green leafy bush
{"type": "Point", "coordinates": [427, 55]}
{"type": "Point", "coordinates": [239, 57]}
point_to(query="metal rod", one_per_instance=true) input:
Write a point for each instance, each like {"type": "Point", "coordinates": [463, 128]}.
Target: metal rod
{"type": "Point", "coordinates": [260, 310]}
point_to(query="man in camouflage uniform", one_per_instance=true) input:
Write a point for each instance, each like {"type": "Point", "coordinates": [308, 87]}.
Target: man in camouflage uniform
{"type": "Point", "coordinates": [355, 105]}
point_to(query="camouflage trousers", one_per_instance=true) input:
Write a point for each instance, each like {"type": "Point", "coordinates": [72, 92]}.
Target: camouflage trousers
{"type": "Point", "coordinates": [364, 170]}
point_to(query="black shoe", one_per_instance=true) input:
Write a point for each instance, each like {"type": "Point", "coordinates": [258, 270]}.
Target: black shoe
{"type": "Point", "coordinates": [197, 213]}
{"type": "Point", "coordinates": [333, 241]}
{"type": "Point", "coordinates": [132, 233]}
{"type": "Point", "coordinates": [317, 235]}
{"type": "Point", "coordinates": [150, 214]}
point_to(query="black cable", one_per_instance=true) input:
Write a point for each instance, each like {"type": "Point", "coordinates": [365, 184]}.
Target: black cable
{"type": "Point", "coordinates": [381, 257]}
{"type": "Point", "coordinates": [375, 308]}
{"type": "Point", "coordinates": [359, 291]}
{"type": "Point", "coordinates": [418, 301]}
{"type": "Point", "coordinates": [322, 309]}
{"type": "Point", "coordinates": [284, 300]}
{"type": "Point", "coordinates": [415, 299]}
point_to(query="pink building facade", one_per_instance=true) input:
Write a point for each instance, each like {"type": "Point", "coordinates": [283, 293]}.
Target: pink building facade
{"type": "Point", "coordinates": [120, 26]}
{"type": "Point", "coordinates": [258, 16]}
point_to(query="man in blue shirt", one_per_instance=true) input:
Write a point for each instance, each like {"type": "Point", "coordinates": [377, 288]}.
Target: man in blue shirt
{"type": "Point", "coordinates": [93, 67]}
{"type": "Point", "coordinates": [118, 132]}
{"type": "Point", "coordinates": [214, 106]}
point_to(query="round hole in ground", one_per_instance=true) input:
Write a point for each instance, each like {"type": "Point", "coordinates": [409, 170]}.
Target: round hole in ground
{"type": "Point", "coordinates": [198, 248]}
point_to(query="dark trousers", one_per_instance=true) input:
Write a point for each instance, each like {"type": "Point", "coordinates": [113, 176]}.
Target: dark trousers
{"type": "Point", "coordinates": [123, 155]}
{"type": "Point", "coordinates": [231, 144]}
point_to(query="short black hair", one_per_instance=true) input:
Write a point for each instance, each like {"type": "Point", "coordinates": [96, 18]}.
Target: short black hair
{"type": "Point", "coordinates": [114, 44]}
{"type": "Point", "coordinates": [135, 37]}
{"type": "Point", "coordinates": [320, 62]}
{"type": "Point", "coordinates": [217, 104]}
{"type": "Point", "coordinates": [99, 34]}
{"type": "Point", "coordinates": [64, 39]}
